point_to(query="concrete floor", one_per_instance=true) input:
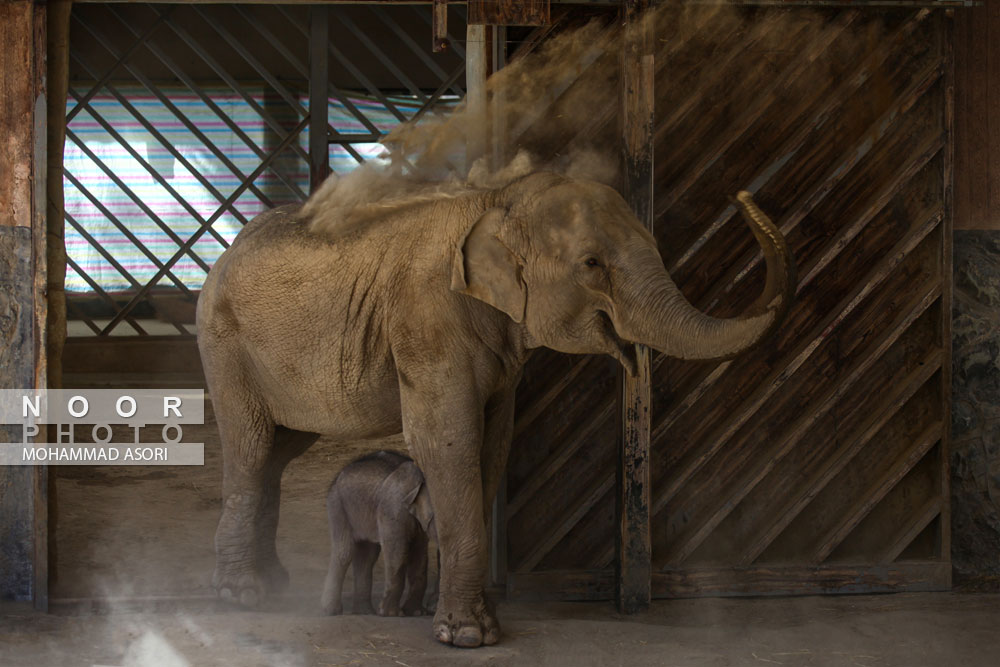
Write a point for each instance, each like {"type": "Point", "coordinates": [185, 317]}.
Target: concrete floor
{"type": "Point", "coordinates": [909, 630]}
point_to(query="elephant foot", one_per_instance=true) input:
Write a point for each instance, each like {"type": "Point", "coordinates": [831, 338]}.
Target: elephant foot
{"type": "Point", "coordinates": [242, 586]}
{"type": "Point", "coordinates": [333, 609]}
{"type": "Point", "coordinates": [466, 625]}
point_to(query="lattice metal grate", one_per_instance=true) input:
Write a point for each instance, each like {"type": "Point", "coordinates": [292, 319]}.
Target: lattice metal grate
{"type": "Point", "coordinates": [185, 122]}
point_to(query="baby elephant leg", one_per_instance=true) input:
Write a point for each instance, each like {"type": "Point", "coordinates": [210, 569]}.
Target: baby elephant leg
{"type": "Point", "coordinates": [394, 553]}
{"type": "Point", "coordinates": [340, 557]}
{"type": "Point", "coordinates": [365, 555]}
{"type": "Point", "coordinates": [416, 576]}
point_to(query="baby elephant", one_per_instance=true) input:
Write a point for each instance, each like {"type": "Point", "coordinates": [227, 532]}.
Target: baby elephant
{"type": "Point", "coordinates": [378, 502]}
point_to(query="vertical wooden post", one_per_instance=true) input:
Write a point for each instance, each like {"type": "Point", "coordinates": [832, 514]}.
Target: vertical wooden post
{"type": "Point", "coordinates": [498, 158]}
{"type": "Point", "coordinates": [476, 71]}
{"type": "Point", "coordinates": [947, 34]}
{"type": "Point", "coordinates": [634, 567]}
{"type": "Point", "coordinates": [23, 510]}
{"type": "Point", "coordinates": [319, 111]}
{"type": "Point", "coordinates": [57, 84]}
{"type": "Point", "coordinates": [439, 25]}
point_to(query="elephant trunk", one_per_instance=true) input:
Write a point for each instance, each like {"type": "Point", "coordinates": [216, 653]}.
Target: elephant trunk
{"type": "Point", "coordinates": [658, 315]}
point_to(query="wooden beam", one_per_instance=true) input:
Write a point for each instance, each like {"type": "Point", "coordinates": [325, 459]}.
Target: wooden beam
{"type": "Point", "coordinates": [575, 585]}
{"type": "Point", "coordinates": [803, 580]}
{"type": "Point", "coordinates": [508, 12]}
{"type": "Point", "coordinates": [319, 107]}
{"type": "Point", "coordinates": [634, 563]}
{"type": "Point", "coordinates": [23, 161]}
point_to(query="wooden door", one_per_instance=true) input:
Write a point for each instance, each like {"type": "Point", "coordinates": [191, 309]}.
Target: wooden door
{"type": "Point", "coordinates": [817, 462]}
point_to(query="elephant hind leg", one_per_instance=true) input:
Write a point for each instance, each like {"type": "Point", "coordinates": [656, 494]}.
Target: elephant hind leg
{"type": "Point", "coordinates": [249, 489]}
{"type": "Point", "coordinates": [288, 444]}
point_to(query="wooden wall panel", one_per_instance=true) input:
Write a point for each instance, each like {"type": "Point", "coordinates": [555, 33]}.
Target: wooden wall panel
{"type": "Point", "coordinates": [977, 117]}
{"type": "Point", "coordinates": [23, 490]}
{"type": "Point", "coordinates": [815, 463]}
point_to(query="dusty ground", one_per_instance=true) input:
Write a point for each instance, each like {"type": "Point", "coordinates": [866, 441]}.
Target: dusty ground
{"type": "Point", "coordinates": [908, 630]}
{"type": "Point", "coordinates": [126, 531]}
{"type": "Point", "coordinates": [143, 537]}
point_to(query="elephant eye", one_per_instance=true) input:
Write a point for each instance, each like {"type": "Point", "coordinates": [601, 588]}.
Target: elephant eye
{"type": "Point", "coordinates": [592, 261]}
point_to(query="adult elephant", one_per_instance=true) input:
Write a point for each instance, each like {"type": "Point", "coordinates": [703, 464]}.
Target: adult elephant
{"type": "Point", "coordinates": [419, 316]}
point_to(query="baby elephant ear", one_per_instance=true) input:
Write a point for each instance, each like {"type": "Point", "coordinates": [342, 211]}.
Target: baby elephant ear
{"type": "Point", "coordinates": [484, 268]}
{"type": "Point", "coordinates": [405, 482]}
{"type": "Point", "coordinates": [422, 509]}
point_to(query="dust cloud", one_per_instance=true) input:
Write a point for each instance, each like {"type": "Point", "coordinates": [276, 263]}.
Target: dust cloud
{"type": "Point", "coordinates": [557, 106]}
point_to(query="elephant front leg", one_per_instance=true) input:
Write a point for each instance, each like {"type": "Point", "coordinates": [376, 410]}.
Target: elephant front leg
{"type": "Point", "coordinates": [497, 434]}
{"type": "Point", "coordinates": [446, 443]}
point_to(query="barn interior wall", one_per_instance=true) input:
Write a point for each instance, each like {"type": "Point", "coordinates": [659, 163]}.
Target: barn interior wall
{"type": "Point", "coordinates": [975, 455]}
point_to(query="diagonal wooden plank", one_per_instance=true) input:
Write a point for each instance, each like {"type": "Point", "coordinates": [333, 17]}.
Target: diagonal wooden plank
{"type": "Point", "coordinates": [712, 75]}
{"type": "Point", "coordinates": [685, 545]}
{"type": "Point", "coordinates": [809, 489]}
{"type": "Point", "coordinates": [764, 101]}
{"type": "Point", "coordinates": [923, 155]}
{"type": "Point", "coordinates": [820, 332]}
{"type": "Point", "coordinates": [790, 147]}
{"type": "Point", "coordinates": [871, 496]}
{"type": "Point", "coordinates": [833, 248]}
{"type": "Point", "coordinates": [541, 403]}
{"type": "Point", "coordinates": [706, 76]}
{"type": "Point", "coordinates": [572, 444]}
{"type": "Point", "coordinates": [548, 542]}
{"type": "Point", "coordinates": [776, 379]}
{"type": "Point", "coordinates": [920, 159]}
{"type": "Point", "coordinates": [908, 532]}
{"type": "Point", "coordinates": [833, 177]}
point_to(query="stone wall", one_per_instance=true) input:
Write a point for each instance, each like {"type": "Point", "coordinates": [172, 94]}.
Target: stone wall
{"type": "Point", "coordinates": [975, 448]}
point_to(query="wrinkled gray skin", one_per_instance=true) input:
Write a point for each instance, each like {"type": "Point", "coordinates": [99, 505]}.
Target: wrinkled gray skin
{"type": "Point", "coordinates": [421, 320]}
{"type": "Point", "coordinates": [379, 502]}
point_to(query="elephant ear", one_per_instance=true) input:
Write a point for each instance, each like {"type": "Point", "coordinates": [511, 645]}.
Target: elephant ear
{"type": "Point", "coordinates": [484, 268]}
